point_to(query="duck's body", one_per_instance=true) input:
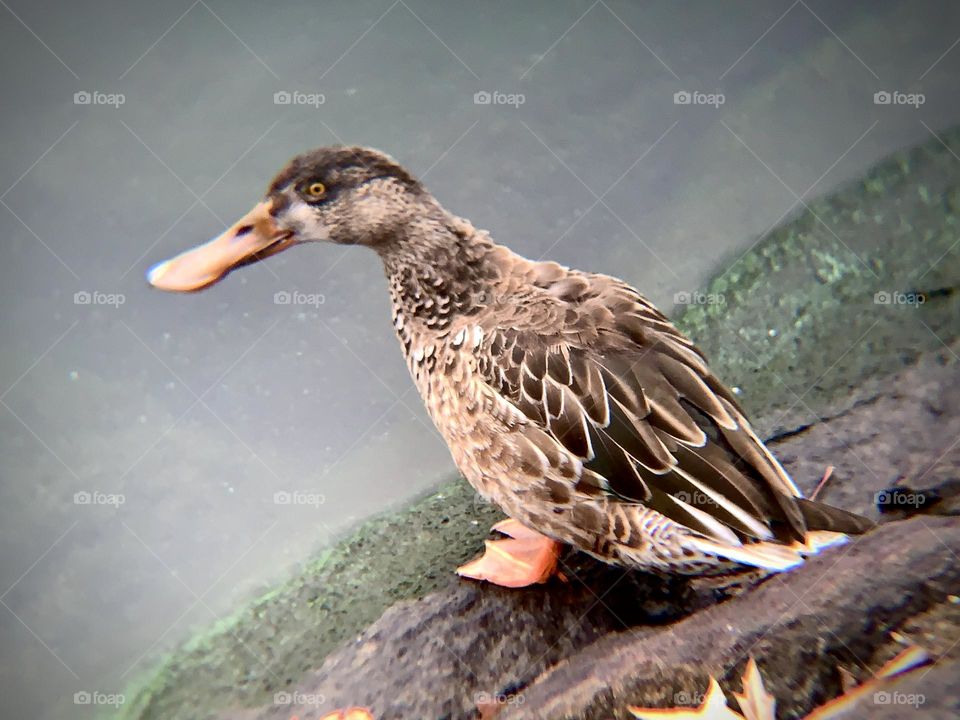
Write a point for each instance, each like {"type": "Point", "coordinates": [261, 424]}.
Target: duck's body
{"type": "Point", "coordinates": [565, 397]}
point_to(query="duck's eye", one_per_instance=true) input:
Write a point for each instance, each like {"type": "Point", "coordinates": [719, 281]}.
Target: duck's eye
{"type": "Point", "coordinates": [315, 190]}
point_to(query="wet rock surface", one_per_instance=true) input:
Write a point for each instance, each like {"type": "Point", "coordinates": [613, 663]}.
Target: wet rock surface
{"type": "Point", "coordinates": [930, 694]}
{"type": "Point", "coordinates": [836, 611]}
{"type": "Point", "coordinates": [442, 655]}
{"type": "Point", "coordinates": [607, 638]}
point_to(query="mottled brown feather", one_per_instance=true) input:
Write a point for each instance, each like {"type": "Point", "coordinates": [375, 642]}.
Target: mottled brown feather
{"type": "Point", "coordinates": [564, 396]}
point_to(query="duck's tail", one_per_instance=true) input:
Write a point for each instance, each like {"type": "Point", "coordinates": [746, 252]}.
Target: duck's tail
{"type": "Point", "coordinates": [820, 516]}
{"type": "Point", "coordinates": [826, 526]}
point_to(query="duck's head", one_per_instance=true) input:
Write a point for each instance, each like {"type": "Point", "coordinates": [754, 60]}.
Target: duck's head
{"type": "Point", "coordinates": [346, 195]}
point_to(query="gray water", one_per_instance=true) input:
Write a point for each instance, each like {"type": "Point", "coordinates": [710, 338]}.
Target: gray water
{"type": "Point", "coordinates": [181, 417]}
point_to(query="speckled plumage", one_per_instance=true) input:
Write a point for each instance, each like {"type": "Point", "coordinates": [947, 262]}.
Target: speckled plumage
{"type": "Point", "coordinates": [565, 397]}
{"type": "Point", "coordinates": [572, 403]}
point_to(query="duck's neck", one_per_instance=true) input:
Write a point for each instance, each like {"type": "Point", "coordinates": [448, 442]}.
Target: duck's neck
{"type": "Point", "coordinates": [439, 268]}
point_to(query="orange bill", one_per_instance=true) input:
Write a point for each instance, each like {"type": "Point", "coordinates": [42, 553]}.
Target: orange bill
{"type": "Point", "coordinates": [253, 237]}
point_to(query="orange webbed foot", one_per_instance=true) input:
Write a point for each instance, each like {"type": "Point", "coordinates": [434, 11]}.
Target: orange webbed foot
{"type": "Point", "coordinates": [353, 713]}
{"type": "Point", "coordinates": [525, 558]}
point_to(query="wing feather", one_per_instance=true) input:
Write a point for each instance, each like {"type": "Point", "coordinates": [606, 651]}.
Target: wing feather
{"type": "Point", "coordinates": [613, 383]}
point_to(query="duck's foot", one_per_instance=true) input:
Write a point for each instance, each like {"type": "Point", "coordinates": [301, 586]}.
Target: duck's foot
{"type": "Point", "coordinates": [354, 713]}
{"type": "Point", "coordinates": [526, 558]}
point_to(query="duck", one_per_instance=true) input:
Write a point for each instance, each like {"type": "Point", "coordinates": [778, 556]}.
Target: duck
{"type": "Point", "coordinates": [565, 397]}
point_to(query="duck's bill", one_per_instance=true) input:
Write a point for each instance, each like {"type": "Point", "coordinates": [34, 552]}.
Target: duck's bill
{"type": "Point", "coordinates": [253, 237]}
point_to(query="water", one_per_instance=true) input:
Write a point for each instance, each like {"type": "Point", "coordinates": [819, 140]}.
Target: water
{"type": "Point", "coordinates": [180, 418]}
